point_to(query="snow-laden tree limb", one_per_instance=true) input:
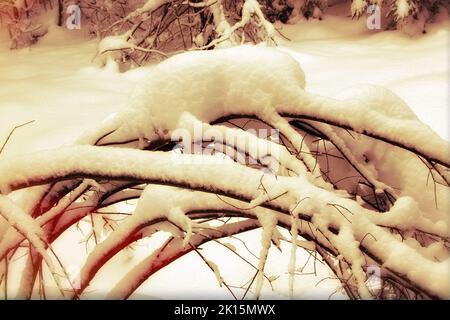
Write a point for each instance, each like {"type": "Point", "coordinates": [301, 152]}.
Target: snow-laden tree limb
{"type": "Point", "coordinates": [194, 177]}
{"type": "Point", "coordinates": [166, 254]}
{"type": "Point", "coordinates": [373, 134]}
{"type": "Point", "coordinates": [148, 119]}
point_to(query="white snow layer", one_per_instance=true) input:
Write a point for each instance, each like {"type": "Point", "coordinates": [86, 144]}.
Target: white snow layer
{"type": "Point", "coordinates": [259, 81]}
{"type": "Point", "coordinates": [78, 97]}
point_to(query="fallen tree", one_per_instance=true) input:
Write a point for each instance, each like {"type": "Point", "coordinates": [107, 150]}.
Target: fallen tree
{"type": "Point", "coordinates": [357, 179]}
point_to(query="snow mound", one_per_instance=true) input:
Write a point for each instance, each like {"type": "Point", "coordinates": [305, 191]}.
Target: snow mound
{"type": "Point", "coordinates": [209, 84]}
{"type": "Point", "coordinates": [261, 82]}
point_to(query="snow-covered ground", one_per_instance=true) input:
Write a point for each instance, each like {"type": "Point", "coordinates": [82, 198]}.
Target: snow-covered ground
{"type": "Point", "coordinates": [56, 84]}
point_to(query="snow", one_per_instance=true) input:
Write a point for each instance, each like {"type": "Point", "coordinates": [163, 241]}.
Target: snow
{"type": "Point", "coordinates": [134, 163]}
{"type": "Point", "coordinates": [293, 254]}
{"type": "Point", "coordinates": [358, 7]}
{"type": "Point", "coordinates": [148, 6]}
{"type": "Point", "coordinates": [226, 92]}
{"type": "Point", "coordinates": [31, 230]}
{"type": "Point", "coordinates": [192, 130]}
{"type": "Point", "coordinates": [348, 246]}
{"type": "Point", "coordinates": [216, 271]}
{"type": "Point", "coordinates": [230, 246]}
{"type": "Point", "coordinates": [402, 9]}
{"type": "Point", "coordinates": [79, 97]}
{"type": "Point", "coordinates": [431, 274]}
{"type": "Point", "coordinates": [268, 223]}
{"type": "Point", "coordinates": [11, 238]}
{"type": "Point", "coordinates": [62, 74]}
{"type": "Point", "coordinates": [22, 222]}
{"type": "Point", "coordinates": [242, 87]}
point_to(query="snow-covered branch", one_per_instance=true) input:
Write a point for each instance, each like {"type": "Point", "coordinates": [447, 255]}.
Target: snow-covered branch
{"type": "Point", "coordinates": [372, 133]}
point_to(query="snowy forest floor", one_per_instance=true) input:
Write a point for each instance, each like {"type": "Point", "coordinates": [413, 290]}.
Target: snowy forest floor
{"type": "Point", "coordinates": [56, 84]}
